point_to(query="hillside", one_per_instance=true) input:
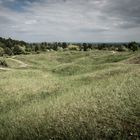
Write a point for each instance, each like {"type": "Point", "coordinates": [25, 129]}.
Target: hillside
{"type": "Point", "coordinates": [70, 95]}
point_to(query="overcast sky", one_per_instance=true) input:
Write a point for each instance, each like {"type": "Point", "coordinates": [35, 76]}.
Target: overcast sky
{"type": "Point", "coordinates": [70, 20]}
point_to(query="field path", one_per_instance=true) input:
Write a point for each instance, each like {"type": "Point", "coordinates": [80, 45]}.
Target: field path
{"type": "Point", "coordinates": [5, 69]}
{"type": "Point", "coordinates": [22, 64]}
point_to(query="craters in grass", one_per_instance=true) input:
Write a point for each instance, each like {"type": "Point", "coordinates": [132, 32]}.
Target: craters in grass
{"type": "Point", "coordinates": [114, 72]}
{"type": "Point", "coordinates": [89, 79]}
{"type": "Point", "coordinates": [135, 60]}
{"type": "Point", "coordinates": [71, 56]}
{"type": "Point", "coordinates": [26, 99]}
{"type": "Point", "coordinates": [66, 60]}
{"type": "Point", "coordinates": [70, 69]}
{"type": "Point", "coordinates": [77, 69]}
{"type": "Point", "coordinates": [115, 58]}
{"type": "Point", "coordinates": [47, 94]}
{"type": "Point", "coordinates": [86, 105]}
{"type": "Point", "coordinates": [110, 73]}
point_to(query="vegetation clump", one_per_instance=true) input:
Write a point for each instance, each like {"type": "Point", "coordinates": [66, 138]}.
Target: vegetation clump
{"type": "Point", "coordinates": [73, 48]}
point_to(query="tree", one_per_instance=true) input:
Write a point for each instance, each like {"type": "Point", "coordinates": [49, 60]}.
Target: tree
{"type": "Point", "coordinates": [42, 47]}
{"type": "Point", "coordinates": [89, 46]}
{"type": "Point", "coordinates": [85, 46]}
{"type": "Point", "coordinates": [55, 46]}
{"type": "Point", "coordinates": [2, 45]}
{"type": "Point", "coordinates": [10, 43]}
{"type": "Point", "coordinates": [18, 50]}
{"type": "Point", "coordinates": [8, 51]}
{"type": "Point", "coordinates": [121, 48]}
{"type": "Point", "coordinates": [37, 48]}
{"type": "Point", "coordinates": [1, 51]}
{"type": "Point", "coordinates": [64, 45]}
{"type": "Point", "coordinates": [133, 46]}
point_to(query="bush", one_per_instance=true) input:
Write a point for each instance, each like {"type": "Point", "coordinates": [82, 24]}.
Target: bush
{"type": "Point", "coordinates": [73, 47]}
{"type": "Point", "coordinates": [1, 51]}
{"type": "Point", "coordinates": [8, 51]}
{"type": "Point", "coordinates": [133, 46]}
{"type": "Point", "coordinates": [60, 49]}
{"type": "Point", "coordinates": [121, 48]}
{"type": "Point", "coordinates": [18, 50]}
{"type": "Point", "coordinates": [37, 52]}
{"type": "Point", "coordinates": [85, 46]}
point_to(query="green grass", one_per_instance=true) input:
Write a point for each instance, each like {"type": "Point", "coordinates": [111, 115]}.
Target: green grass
{"type": "Point", "coordinates": [71, 96]}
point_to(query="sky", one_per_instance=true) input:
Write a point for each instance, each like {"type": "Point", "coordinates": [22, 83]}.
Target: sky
{"type": "Point", "coordinates": [70, 20]}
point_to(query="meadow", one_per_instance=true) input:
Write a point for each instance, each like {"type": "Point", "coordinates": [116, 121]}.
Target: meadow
{"type": "Point", "coordinates": [71, 95]}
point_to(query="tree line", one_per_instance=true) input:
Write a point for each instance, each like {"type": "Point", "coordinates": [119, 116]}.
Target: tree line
{"type": "Point", "coordinates": [15, 47]}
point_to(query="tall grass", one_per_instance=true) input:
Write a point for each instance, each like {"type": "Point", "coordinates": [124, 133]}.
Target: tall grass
{"type": "Point", "coordinates": [71, 96]}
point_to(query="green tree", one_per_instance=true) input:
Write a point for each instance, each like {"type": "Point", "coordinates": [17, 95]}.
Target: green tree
{"type": "Point", "coordinates": [85, 46]}
{"type": "Point", "coordinates": [64, 45]}
{"type": "Point", "coordinates": [37, 48]}
{"type": "Point", "coordinates": [8, 51]}
{"type": "Point", "coordinates": [2, 45]}
{"type": "Point", "coordinates": [42, 47]}
{"type": "Point", "coordinates": [133, 46]}
{"type": "Point", "coordinates": [18, 50]}
{"type": "Point", "coordinates": [1, 51]}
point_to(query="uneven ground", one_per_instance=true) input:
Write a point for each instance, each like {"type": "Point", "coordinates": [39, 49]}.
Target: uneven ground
{"type": "Point", "coordinates": [71, 96]}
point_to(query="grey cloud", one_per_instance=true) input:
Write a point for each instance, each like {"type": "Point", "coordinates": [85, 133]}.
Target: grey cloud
{"type": "Point", "coordinates": [94, 30]}
{"type": "Point", "coordinates": [71, 20]}
{"type": "Point", "coordinates": [127, 11]}
{"type": "Point", "coordinates": [4, 20]}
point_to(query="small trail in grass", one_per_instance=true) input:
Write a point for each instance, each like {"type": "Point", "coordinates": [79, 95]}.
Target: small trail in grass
{"type": "Point", "coordinates": [22, 64]}
{"type": "Point", "coordinates": [5, 69]}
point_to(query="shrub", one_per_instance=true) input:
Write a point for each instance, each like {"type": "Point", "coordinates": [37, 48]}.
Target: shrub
{"type": "Point", "coordinates": [8, 51]}
{"type": "Point", "coordinates": [28, 49]}
{"type": "Point", "coordinates": [133, 46]}
{"type": "Point", "coordinates": [85, 46]}
{"type": "Point", "coordinates": [73, 47]}
{"type": "Point", "coordinates": [121, 48]}
{"type": "Point", "coordinates": [18, 50]}
{"type": "Point", "coordinates": [37, 52]}
{"type": "Point", "coordinates": [1, 51]}
{"type": "Point", "coordinates": [60, 49]}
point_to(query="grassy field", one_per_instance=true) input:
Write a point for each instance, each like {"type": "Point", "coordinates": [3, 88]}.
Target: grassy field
{"type": "Point", "coordinates": [71, 96]}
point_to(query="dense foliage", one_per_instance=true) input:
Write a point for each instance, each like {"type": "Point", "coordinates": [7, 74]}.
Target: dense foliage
{"type": "Point", "coordinates": [15, 47]}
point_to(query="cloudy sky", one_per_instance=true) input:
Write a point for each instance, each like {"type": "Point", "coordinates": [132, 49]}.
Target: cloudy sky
{"type": "Point", "coordinates": [70, 20]}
